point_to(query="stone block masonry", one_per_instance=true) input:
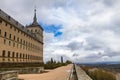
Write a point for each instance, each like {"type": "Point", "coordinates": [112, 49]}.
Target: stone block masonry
{"type": "Point", "coordinates": [20, 46]}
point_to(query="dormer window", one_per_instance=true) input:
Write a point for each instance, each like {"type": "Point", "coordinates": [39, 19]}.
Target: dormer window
{"type": "Point", "coordinates": [0, 20]}
{"type": "Point", "coordinates": [0, 10]}
{"type": "Point", "coordinates": [8, 17]}
{"type": "Point", "coordinates": [16, 23]}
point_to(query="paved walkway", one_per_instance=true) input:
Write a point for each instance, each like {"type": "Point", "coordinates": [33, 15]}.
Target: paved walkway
{"type": "Point", "coordinates": [60, 73]}
{"type": "Point", "coordinates": [118, 76]}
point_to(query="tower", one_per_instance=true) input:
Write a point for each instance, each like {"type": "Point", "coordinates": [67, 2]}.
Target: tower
{"type": "Point", "coordinates": [37, 31]}
{"type": "Point", "coordinates": [35, 28]}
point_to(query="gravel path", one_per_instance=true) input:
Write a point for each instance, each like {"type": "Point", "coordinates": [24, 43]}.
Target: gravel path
{"type": "Point", "coordinates": [60, 73]}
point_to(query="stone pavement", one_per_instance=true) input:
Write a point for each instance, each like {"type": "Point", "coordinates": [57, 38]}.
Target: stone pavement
{"type": "Point", "coordinates": [60, 73]}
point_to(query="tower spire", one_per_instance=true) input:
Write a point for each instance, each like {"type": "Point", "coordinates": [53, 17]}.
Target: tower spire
{"type": "Point", "coordinates": [35, 18]}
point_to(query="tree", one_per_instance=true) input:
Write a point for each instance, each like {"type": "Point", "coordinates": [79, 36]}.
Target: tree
{"type": "Point", "coordinates": [61, 59]}
{"type": "Point", "coordinates": [51, 60]}
{"type": "Point", "coordinates": [68, 62]}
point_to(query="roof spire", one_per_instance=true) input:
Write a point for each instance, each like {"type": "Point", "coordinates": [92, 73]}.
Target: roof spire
{"type": "Point", "coordinates": [35, 18]}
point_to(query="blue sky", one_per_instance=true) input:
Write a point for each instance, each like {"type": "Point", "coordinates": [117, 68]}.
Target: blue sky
{"type": "Point", "coordinates": [80, 30]}
{"type": "Point", "coordinates": [52, 29]}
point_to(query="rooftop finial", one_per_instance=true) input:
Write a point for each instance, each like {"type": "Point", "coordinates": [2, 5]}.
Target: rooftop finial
{"type": "Point", "coordinates": [35, 18]}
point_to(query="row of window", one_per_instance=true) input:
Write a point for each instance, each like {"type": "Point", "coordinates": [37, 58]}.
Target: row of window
{"type": "Point", "coordinates": [18, 41]}
{"type": "Point", "coordinates": [18, 31]}
{"type": "Point", "coordinates": [13, 55]}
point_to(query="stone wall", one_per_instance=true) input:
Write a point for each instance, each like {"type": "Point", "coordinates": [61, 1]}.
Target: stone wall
{"type": "Point", "coordinates": [26, 70]}
{"type": "Point", "coordinates": [81, 75]}
{"type": "Point", "coordinates": [9, 75]}
{"type": "Point", "coordinates": [17, 44]}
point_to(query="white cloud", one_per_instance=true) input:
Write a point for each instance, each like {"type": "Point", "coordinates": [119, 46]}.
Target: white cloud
{"type": "Point", "coordinates": [90, 28]}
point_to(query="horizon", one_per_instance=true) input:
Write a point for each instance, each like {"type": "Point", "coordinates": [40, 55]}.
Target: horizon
{"type": "Point", "coordinates": [80, 31]}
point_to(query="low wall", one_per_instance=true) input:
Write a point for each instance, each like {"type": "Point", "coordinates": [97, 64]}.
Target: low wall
{"type": "Point", "coordinates": [26, 70]}
{"type": "Point", "coordinates": [9, 75]}
{"type": "Point", "coordinates": [81, 75]}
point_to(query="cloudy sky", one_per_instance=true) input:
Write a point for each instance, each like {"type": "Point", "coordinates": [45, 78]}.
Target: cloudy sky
{"type": "Point", "coordinates": [78, 30]}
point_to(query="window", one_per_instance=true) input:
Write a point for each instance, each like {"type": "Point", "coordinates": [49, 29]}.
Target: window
{"type": "Point", "coordinates": [17, 45]}
{"type": "Point", "coordinates": [18, 39]}
{"type": "Point", "coordinates": [14, 38]}
{"type": "Point", "coordinates": [5, 24]}
{"type": "Point", "coordinates": [9, 43]}
{"type": "Point", "coordinates": [26, 56]}
{"type": "Point", "coordinates": [21, 32]}
{"type": "Point", "coordinates": [13, 54]}
{"type": "Point", "coordinates": [5, 34]}
{"type": "Point", "coordinates": [16, 23]}
{"type": "Point", "coordinates": [31, 30]}
{"type": "Point", "coordinates": [17, 55]}
{"type": "Point", "coordinates": [0, 21]}
{"type": "Point", "coordinates": [10, 36]}
{"type": "Point", "coordinates": [23, 56]}
{"type": "Point", "coordinates": [8, 53]}
{"type": "Point", "coordinates": [21, 46]}
{"type": "Point", "coordinates": [14, 29]}
{"type": "Point", "coordinates": [13, 44]}
{"type": "Point", "coordinates": [35, 30]}
{"type": "Point", "coordinates": [21, 41]}
{"type": "Point", "coordinates": [24, 42]}
{"type": "Point", "coordinates": [0, 31]}
{"type": "Point", "coordinates": [20, 55]}
{"type": "Point", "coordinates": [4, 41]}
{"type": "Point", "coordinates": [27, 30]}
{"type": "Point", "coordinates": [3, 53]}
{"type": "Point", "coordinates": [10, 26]}
{"type": "Point", "coordinates": [8, 17]}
